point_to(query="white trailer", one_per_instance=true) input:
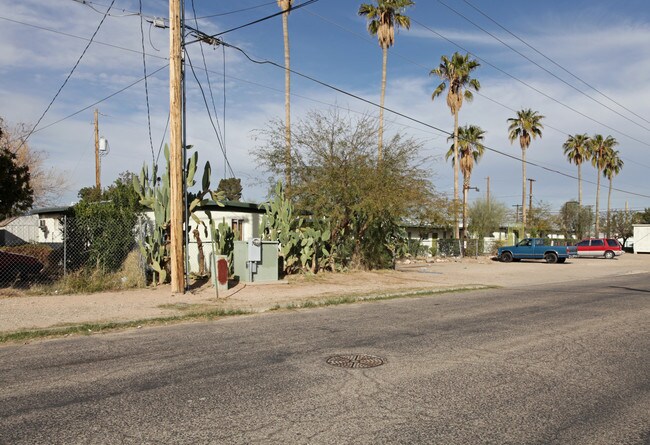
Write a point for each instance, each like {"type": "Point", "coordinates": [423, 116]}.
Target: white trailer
{"type": "Point", "coordinates": [641, 238]}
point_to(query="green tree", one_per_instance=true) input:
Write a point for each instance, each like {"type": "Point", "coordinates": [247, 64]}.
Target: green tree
{"type": "Point", "coordinates": [231, 188]}
{"type": "Point", "coordinates": [527, 125]}
{"type": "Point", "coordinates": [644, 217]}
{"type": "Point", "coordinates": [486, 217]}
{"type": "Point", "coordinates": [622, 224]}
{"type": "Point", "coordinates": [338, 179]}
{"type": "Point", "coordinates": [600, 148]}
{"type": "Point", "coordinates": [575, 220]}
{"type": "Point", "coordinates": [102, 230]}
{"type": "Point", "coordinates": [456, 78]}
{"type": "Point", "coordinates": [576, 149]}
{"type": "Point", "coordinates": [383, 18]}
{"type": "Point", "coordinates": [541, 221]}
{"type": "Point", "coordinates": [470, 150]}
{"type": "Point", "coordinates": [16, 194]}
{"type": "Point", "coordinates": [285, 5]}
{"type": "Point", "coordinates": [613, 167]}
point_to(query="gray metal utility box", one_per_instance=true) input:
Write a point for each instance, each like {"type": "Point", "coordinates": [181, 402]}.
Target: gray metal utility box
{"type": "Point", "coordinates": [256, 260]}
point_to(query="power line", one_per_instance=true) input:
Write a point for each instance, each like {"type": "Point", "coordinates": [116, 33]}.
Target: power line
{"type": "Point", "coordinates": [209, 38]}
{"type": "Point", "coordinates": [540, 66]}
{"type": "Point", "coordinates": [529, 85]}
{"type": "Point", "coordinates": [146, 84]}
{"type": "Point", "coordinates": [96, 42]}
{"type": "Point", "coordinates": [363, 37]}
{"type": "Point", "coordinates": [100, 100]}
{"type": "Point", "coordinates": [68, 77]}
{"type": "Point", "coordinates": [332, 87]}
{"type": "Point", "coordinates": [554, 62]}
{"type": "Point", "coordinates": [235, 11]}
{"type": "Point", "coordinates": [220, 138]}
{"type": "Point", "coordinates": [205, 101]}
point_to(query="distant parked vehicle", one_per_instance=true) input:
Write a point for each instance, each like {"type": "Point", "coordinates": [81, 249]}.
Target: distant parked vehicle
{"type": "Point", "coordinates": [599, 247]}
{"type": "Point", "coordinates": [13, 265]}
{"type": "Point", "coordinates": [536, 249]}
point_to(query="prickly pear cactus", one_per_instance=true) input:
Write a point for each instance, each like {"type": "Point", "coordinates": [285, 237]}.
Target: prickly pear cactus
{"type": "Point", "coordinates": [154, 194]}
{"type": "Point", "coordinates": [301, 246]}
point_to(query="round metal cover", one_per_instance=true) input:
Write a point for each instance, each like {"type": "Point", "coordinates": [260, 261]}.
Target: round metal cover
{"type": "Point", "coordinates": [355, 361]}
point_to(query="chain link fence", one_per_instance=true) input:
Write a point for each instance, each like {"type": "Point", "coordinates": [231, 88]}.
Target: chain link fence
{"type": "Point", "coordinates": [67, 251]}
{"type": "Point", "coordinates": [459, 248]}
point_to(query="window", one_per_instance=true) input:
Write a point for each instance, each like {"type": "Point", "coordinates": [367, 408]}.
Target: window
{"type": "Point", "coordinates": [612, 242]}
{"type": "Point", "coordinates": [583, 243]}
{"type": "Point", "coordinates": [597, 243]}
{"type": "Point", "coordinates": [238, 228]}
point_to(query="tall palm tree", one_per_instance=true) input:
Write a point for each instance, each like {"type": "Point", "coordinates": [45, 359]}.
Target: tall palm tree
{"type": "Point", "coordinates": [527, 125]}
{"type": "Point", "coordinates": [576, 149]}
{"type": "Point", "coordinates": [470, 151]}
{"type": "Point", "coordinates": [382, 20]}
{"type": "Point", "coordinates": [285, 5]}
{"type": "Point", "coordinates": [456, 75]}
{"type": "Point", "coordinates": [599, 148]}
{"type": "Point", "coordinates": [613, 167]}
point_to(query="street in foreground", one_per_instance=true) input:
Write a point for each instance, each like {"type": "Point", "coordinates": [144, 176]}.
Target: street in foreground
{"type": "Point", "coordinates": [554, 364]}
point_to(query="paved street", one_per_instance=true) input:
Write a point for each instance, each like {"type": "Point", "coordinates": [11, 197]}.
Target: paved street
{"type": "Point", "coordinates": [556, 364]}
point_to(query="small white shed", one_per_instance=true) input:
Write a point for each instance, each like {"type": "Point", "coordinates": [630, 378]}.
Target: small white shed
{"type": "Point", "coordinates": [641, 238]}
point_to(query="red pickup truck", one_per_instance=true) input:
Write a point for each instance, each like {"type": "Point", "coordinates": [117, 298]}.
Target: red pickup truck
{"type": "Point", "coordinates": [599, 247]}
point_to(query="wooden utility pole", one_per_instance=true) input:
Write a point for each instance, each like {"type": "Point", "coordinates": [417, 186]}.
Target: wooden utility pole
{"type": "Point", "coordinates": [98, 182]}
{"type": "Point", "coordinates": [176, 149]}
{"type": "Point", "coordinates": [530, 195]}
{"type": "Point", "coordinates": [488, 193]}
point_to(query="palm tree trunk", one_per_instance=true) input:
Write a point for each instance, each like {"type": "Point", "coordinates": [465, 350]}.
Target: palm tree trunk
{"type": "Point", "coordinates": [579, 186]}
{"type": "Point", "coordinates": [465, 192]}
{"type": "Point", "coordinates": [609, 202]}
{"type": "Point", "coordinates": [597, 227]}
{"type": "Point", "coordinates": [456, 162]}
{"type": "Point", "coordinates": [287, 106]}
{"type": "Point", "coordinates": [523, 191]}
{"type": "Point", "coordinates": [384, 51]}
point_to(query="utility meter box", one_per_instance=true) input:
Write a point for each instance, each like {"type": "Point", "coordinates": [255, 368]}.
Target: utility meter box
{"type": "Point", "coordinates": [256, 260]}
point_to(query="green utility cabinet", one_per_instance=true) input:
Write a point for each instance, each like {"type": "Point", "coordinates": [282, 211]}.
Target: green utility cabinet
{"type": "Point", "coordinates": [256, 260]}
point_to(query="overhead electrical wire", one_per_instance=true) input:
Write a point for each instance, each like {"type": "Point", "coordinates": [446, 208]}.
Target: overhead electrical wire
{"type": "Point", "coordinates": [332, 87]}
{"type": "Point", "coordinates": [205, 101]}
{"type": "Point", "coordinates": [538, 65]}
{"type": "Point", "coordinates": [206, 37]}
{"type": "Point", "coordinates": [315, 80]}
{"type": "Point", "coordinates": [364, 37]}
{"type": "Point", "coordinates": [559, 102]}
{"type": "Point", "coordinates": [146, 84]}
{"type": "Point", "coordinates": [67, 78]}
{"type": "Point", "coordinates": [132, 84]}
{"type": "Point", "coordinates": [220, 138]}
{"type": "Point", "coordinates": [554, 62]}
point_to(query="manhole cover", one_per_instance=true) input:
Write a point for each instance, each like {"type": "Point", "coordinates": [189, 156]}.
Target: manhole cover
{"type": "Point", "coordinates": [355, 361]}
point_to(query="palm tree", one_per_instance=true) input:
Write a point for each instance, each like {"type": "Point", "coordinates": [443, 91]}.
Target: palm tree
{"type": "Point", "coordinates": [599, 148]}
{"type": "Point", "coordinates": [613, 167]}
{"type": "Point", "coordinates": [382, 20]}
{"type": "Point", "coordinates": [576, 149]}
{"type": "Point", "coordinates": [285, 5]}
{"type": "Point", "coordinates": [470, 151]}
{"type": "Point", "coordinates": [527, 125]}
{"type": "Point", "coordinates": [457, 73]}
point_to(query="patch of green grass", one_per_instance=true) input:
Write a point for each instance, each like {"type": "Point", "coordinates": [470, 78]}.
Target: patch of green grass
{"type": "Point", "coordinates": [94, 328]}
{"type": "Point", "coordinates": [350, 299]}
{"type": "Point", "coordinates": [180, 306]}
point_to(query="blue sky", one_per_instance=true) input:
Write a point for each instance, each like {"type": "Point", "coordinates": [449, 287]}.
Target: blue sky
{"type": "Point", "coordinates": [596, 41]}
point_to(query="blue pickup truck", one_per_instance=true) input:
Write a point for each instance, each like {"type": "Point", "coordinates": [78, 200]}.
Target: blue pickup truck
{"type": "Point", "coordinates": [536, 249]}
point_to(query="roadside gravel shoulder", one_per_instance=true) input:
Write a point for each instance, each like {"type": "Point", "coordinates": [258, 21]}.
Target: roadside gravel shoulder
{"type": "Point", "coordinates": [35, 312]}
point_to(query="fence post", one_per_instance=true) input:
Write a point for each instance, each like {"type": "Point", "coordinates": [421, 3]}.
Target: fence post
{"type": "Point", "coordinates": [65, 244]}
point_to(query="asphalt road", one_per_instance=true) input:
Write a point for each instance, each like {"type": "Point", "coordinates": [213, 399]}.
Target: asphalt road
{"type": "Point", "coordinates": [566, 365]}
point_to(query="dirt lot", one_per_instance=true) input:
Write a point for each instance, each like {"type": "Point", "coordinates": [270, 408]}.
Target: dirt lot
{"type": "Point", "coordinates": [25, 312]}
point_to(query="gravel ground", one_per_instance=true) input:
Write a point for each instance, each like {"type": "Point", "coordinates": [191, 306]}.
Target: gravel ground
{"type": "Point", "coordinates": [27, 312]}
